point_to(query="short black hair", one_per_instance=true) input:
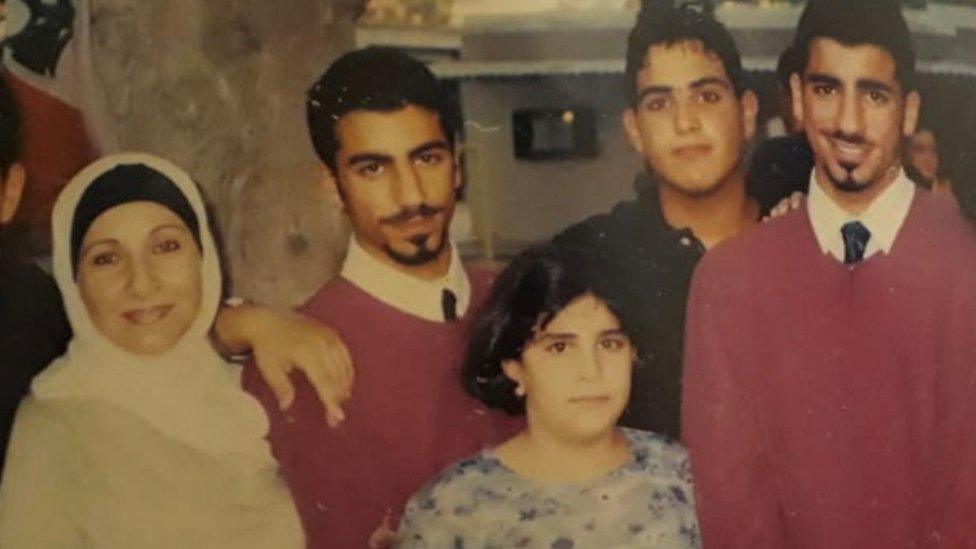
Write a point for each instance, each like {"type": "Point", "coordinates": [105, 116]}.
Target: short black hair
{"type": "Point", "coordinates": [530, 292]}
{"type": "Point", "coordinates": [373, 79]}
{"type": "Point", "coordinates": [660, 22]}
{"type": "Point", "coordinates": [855, 22]}
{"type": "Point", "coordinates": [10, 127]}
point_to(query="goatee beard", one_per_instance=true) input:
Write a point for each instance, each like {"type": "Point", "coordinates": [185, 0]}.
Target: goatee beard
{"type": "Point", "coordinates": [848, 184]}
{"type": "Point", "coordinates": [422, 256]}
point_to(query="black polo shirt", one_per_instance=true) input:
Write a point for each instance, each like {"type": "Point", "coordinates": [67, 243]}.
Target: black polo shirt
{"type": "Point", "coordinates": [780, 166]}
{"type": "Point", "coordinates": [650, 264]}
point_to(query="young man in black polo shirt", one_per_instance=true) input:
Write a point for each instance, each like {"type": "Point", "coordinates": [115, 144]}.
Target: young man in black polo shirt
{"type": "Point", "coordinates": [690, 118]}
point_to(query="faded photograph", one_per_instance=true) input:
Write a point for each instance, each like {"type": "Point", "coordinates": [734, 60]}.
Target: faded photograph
{"type": "Point", "coordinates": [488, 274]}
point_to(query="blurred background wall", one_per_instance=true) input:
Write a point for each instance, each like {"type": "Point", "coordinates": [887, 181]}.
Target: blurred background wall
{"type": "Point", "coordinates": [218, 87]}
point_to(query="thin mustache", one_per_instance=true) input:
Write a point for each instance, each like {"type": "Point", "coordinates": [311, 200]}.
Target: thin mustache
{"type": "Point", "coordinates": [403, 216]}
{"type": "Point", "coordinates": [853, 139]}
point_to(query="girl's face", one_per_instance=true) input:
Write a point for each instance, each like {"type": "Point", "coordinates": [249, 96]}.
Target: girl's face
{"type": "Point", "coordinates": [139, 277]}
{"type": "Point", "coordinates": [575, 372]}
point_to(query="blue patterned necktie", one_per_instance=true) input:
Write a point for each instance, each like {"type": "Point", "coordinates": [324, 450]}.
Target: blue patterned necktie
{"type": "Point", "coordinates": [856, 237]}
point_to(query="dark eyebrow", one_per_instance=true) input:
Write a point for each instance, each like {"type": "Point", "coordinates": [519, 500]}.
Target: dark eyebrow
{"type": "Point", "coordinates": [86, 249]}
{"type": "Point", "coordinates": [818, 78]}
{"type": "Point", "coordinates": [385, 159]}
{"type": "Point", "coordinates": [367, 157]}
{"type": "Point", "coordinates": [543, 337]}
{"type": "Point", "coordinates": [711, 80]}
{"type": "Point", "coordinates": [868, 84]}
{"type": "Point", "coordinates": [114, 241]}
{"type": "Point", "coordinates": [701, 82]}
{"type": "Point", "coordinates": [177, 226]}
{"type": "Point", "coordinates": [653, 90]}
{"type": "Point", "coordinates": [864, 84]}
{"type": "Point", "coordinates": [430, 146]}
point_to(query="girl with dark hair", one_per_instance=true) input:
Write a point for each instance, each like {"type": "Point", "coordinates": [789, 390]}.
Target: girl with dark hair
{"type": "Point", "coordinates": [140, 435]}
{"type": "Point", "coordinates": [550, 344]}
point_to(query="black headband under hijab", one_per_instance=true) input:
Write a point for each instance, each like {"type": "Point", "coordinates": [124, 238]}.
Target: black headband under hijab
{"type": "Point", "coordinates": [128, 183]}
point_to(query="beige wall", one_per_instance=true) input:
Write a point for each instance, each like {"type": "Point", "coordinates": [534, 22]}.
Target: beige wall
{"type": "Point", "coordinates": [523, 201]}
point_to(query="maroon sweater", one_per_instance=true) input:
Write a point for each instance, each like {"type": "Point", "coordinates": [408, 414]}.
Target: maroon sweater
{"type": "Point", "coordinates": [835, 407]}
{"type": "Point", "coordinates": [408, 417]}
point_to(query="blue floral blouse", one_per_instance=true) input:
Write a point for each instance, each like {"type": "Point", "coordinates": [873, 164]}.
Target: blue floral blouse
{"type": "Point", "coordinates": [480, 503]}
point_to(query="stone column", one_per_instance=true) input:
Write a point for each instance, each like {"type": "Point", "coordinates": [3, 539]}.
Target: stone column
{"type": "Point", "coordinates": [218, 87]}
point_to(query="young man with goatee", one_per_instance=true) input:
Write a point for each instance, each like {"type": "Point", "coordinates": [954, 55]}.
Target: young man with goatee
{"type": "Point", "coordinates": [830, 374]}
{"type": "Point", "coordinates": [385, 129]}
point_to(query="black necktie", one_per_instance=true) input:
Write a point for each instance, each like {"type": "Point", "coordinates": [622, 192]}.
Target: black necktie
{"type": "Point", "coordinates": [856, 238]}
{"type": "Point", "coordinates": [449, 305]}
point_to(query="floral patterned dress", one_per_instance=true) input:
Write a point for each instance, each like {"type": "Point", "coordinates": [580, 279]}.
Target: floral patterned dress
{"type": "Point", "coordinates": [481, 503]}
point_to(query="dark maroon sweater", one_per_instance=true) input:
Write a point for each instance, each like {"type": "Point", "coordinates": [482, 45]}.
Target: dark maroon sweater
{"type": "Point", "coordinates": [408, 417]}
{"type": "Point", "coordinates": [835, 407]}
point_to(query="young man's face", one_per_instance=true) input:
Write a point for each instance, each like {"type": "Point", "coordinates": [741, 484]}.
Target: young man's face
{"type": "Point", "coordinates": [855, 113]}
{"type": "Point", "coordinates": [688, 124]}
{"type": "Point", "coordinates": [397, 175]}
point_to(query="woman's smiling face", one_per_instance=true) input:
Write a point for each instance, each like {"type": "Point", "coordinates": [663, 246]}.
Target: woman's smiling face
{"type": "Point", "coordinates": [139, 276]}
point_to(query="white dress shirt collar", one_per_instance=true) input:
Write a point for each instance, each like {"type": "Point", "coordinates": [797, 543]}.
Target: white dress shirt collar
{"type": "Point", "coordinates": [884, 217]}
{"type": "Point", "coordinates": [415, 296]}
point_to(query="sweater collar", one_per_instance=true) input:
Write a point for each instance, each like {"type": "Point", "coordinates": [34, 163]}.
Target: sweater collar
{"type": "Point", "coordinates": [409, 294]}
{"type": "Point", "coordinates": [884, 217]}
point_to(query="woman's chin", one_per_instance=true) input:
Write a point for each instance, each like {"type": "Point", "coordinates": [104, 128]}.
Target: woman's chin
{"type": "Point", "coordinates": [148, 344]}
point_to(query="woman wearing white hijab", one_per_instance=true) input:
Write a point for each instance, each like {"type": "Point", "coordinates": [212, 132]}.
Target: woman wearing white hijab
{"type": "Point", "coordinates": [140, 436]}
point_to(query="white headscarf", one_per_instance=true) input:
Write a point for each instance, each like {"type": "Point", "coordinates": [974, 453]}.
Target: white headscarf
{"type": "Point", "coordinates": [188, 393]}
